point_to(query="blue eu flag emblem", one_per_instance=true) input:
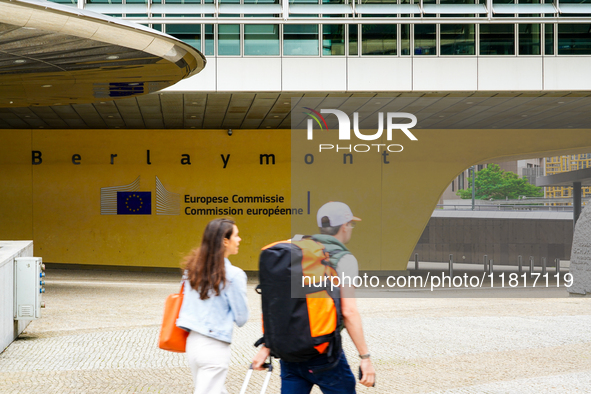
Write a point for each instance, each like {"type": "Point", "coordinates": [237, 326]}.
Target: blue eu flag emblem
{"type": "Point", "coordinates": [134, 203]}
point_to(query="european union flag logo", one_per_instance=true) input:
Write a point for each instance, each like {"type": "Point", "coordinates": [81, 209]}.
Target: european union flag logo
{"type": "Point", "coordinates": [134, 203]}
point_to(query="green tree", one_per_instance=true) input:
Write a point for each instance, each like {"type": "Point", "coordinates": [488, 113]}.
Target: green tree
{"type": "Point", "coordinates": [492, 182]}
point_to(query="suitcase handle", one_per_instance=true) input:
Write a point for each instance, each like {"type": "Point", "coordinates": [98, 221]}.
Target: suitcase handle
{"type": "Point", "coordinates": [268, 366]}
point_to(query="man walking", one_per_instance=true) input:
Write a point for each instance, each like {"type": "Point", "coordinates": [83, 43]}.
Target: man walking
{"type": "Point", "coordinates": [336, 223]}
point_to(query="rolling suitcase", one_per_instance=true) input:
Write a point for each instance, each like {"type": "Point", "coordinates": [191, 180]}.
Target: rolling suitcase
{"type": "Point", "coordinates": [269, 366]}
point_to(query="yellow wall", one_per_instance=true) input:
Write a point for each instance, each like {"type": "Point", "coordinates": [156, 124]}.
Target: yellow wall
{"type": "Point", "coordinates": [396, 200]}
{"type": "Point", "coordinates": [16, 186]}
{"type": "Point", "coordinates": [67, 225]}
{"type": "Point", "coordinates": [58, 204]}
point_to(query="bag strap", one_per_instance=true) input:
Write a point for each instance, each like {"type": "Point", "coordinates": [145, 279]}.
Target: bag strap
{"type": "Point", "coordinates": [337, 255]}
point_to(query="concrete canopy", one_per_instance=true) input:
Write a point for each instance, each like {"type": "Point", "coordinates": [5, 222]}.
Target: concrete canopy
{"type": "Point", "coordinates": [272, 110]}
{"type": "Point", "coordinates": [55, 55]}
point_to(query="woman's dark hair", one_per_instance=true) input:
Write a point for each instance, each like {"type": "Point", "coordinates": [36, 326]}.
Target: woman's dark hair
{"type": "Point", "coordinates": [205, 265]}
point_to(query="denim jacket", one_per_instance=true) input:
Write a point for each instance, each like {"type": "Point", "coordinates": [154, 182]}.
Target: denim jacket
{"type": "Point", "coordinates": [215, 316]}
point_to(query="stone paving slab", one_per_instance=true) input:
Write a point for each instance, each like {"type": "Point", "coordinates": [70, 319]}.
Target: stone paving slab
{"type": "Point", "coordinates": [99, 334]}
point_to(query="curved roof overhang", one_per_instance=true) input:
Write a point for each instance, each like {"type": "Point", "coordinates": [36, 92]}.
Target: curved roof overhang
{"type": "Point", "coordinates": [54, 55]}
{"type": "Point", "coordinates": [523, 110]}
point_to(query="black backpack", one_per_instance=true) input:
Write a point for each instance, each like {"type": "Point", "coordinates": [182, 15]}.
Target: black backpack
{"type": "Point", "coordinates": [301, 314]}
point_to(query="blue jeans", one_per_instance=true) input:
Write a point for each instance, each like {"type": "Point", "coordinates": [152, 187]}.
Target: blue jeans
{"type": "Point", "coordinates": [335, 378]}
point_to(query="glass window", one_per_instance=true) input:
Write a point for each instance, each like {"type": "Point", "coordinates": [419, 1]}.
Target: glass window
{"type": "Point", "coordinates": [379, 2]}
{"type": "Point", "coordinates": [378, 40]}
{"type": "Point", "coordinates": [457, 39]}
{"type": "Point", "coordinates": [530, 15]}
{"type": "Point", "coordinates": [261, 40]}
{"type": "Point", "coordinates": [157, 15]}
{"type": "Point", "coordinates": [425, 39]}
{"type": "Point", "coordinates": [229, 40]}
{"type": "Point", "coordinates": [333, 40]}
{"type": "Point", "coordinates": [300, 40]}
{"type": "Point", "coordinates": [405, 40]}
{"type": "Point", "coordinates": [183, 2]}
{"type": "Point", "coordinates": [260, 2]}
{"type": "Point", "coordinates": [427, 15]}
{"type": "Point", "coordinates": [104, 1]}
{"type": "Point", "coordinates": [549, 39]}
{"type": "Point", "coordinates": [460, 2]}
{"type": "Point", "coordinates": [497, 39]}
{"type": "Point", "coordinates": [529, 39]}
{"type": "Point", "coordinates": [574, 39]}
{"type": "Point", "coordinates": [226, 15]}
{"type": "Point", "coordinates": [209, 40]}
{"type": "Point", "coordinates": [353, 37]}
{"type": "Point", "coordinates": [191, 34]}
{"type": "Point", "coordinates": [303, 15]}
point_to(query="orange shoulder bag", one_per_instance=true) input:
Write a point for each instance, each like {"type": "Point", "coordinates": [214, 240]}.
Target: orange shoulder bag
{"type": "Point", "coordinates": [172, 338]}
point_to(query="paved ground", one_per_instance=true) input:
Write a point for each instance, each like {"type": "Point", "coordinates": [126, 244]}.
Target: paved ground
{"type": "Point", "coordinates": [99, 334]}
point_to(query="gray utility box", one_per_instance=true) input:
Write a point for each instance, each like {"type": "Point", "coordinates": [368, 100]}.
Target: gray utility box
{"type": "Point", "coordinates": [28, 287]}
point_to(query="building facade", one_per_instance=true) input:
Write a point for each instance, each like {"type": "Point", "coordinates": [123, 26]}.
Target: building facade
{"type": "Point", "coordinates": [558, 164]}
{"type": "Point", "coordinates": [486, 82]}
{"type": "Point", "coordinates": [374, 45]}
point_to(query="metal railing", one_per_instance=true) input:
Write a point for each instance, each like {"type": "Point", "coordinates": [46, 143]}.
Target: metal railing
{"type": "Point", "coordinates": [506, 207]}
{"type": "Point", "coordinates": [489, 266]}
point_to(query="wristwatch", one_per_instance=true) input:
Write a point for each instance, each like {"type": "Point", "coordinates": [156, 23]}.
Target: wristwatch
{"type": "Point", "coordinates": [364, 356]}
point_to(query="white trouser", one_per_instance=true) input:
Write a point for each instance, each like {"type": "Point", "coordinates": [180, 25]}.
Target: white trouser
{"type": "Point", "coordinates": [209, 360]}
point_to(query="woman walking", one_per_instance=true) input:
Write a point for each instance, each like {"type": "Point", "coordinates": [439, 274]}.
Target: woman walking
{"type": "Point", "coordinates": [215, 298]}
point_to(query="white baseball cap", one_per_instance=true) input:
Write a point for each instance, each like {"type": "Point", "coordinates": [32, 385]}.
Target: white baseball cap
{"type": "Point", "coordinates": [338, 213]}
